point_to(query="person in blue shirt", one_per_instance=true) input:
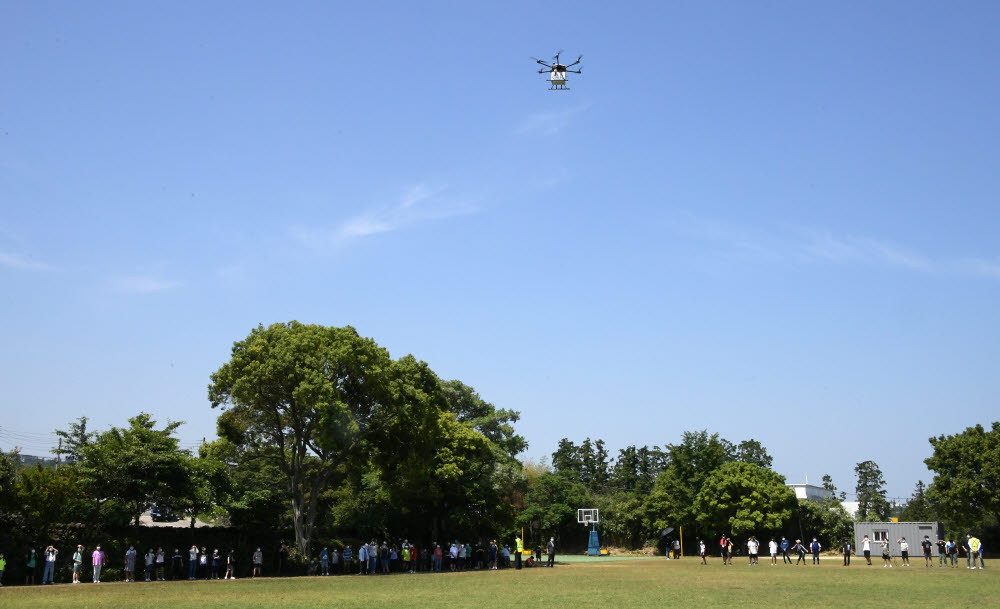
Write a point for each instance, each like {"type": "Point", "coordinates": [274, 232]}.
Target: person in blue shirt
{"type": "Point", "coordinates": [324, 562]}
{"type": "Point", "coordinates": [347, 559]}
{"type": "Point", "coordinates": [815, 547]}
{"type": "Point", "coordinates": [784, 551]}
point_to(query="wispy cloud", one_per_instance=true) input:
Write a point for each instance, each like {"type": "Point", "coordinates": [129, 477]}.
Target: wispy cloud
{"type": "Point", "coordinates": [851, 249]}
{"type": "Point", "coordinates": [142, 284]}
{"type": "Point", "coordinates": [550, 122]}
{"type": "Point", "coordinates": [418, 204]}
{"type": "Point", "coordinates": [798, 245]}
{"type": "Point", "coordinates": [21, 262]}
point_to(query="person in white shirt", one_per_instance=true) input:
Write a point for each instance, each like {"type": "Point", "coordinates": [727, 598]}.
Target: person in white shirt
{"type": "Point", "coordinates": [772, 547]}
{"type": "Point", "coordinates": [702, 549]}
{"type": "Point", "coordinates": [866, 547]}
{"type": "Point", "coordinates": [752, 546]}
{"type": "Point", "coordinates": [904, 549]}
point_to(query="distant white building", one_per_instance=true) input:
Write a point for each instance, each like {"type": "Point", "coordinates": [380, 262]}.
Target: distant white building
{"type": "Point", "coordinates": [810, 492]}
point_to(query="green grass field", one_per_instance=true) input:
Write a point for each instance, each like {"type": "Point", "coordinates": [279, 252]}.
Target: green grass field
{"type": "Point", "coordinates": [614, 584]}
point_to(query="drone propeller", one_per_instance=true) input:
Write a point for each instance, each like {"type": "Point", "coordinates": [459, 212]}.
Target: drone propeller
{"type": "Point", "coordinates": [575, 62]}
{"type": "Point", "coordinates": [541, 62]}
{"type": "Point", "coordinates": [557, 55]}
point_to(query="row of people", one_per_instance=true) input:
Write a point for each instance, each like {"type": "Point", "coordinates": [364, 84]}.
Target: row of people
{"type": "Point", "coordinates": [369, 559]}
{"type": "Point", "coordinates": [947, 549]}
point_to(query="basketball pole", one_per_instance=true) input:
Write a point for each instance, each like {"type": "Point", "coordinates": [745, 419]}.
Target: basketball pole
{"type": "Point", "coordinates": [682, 539]}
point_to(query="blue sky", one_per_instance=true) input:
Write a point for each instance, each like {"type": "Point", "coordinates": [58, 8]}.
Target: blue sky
{"type": "Point", "coordinates": [771, 220]}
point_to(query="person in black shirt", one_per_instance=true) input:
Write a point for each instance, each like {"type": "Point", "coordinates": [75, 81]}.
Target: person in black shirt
{"type": "Point", "coordinates": [927, 546]}
{"type": "Point", "coordinates": [177, 562]}
{"type": "Point", "coordinates": [283, 560]}
{"type": "Point", "coordinates": [847, 552]}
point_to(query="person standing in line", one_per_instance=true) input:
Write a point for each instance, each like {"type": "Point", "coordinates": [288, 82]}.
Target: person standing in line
{"type": "Point", "coordinates": [928, 547]}
{"type": "Point", "coordinates": [702, 549]}
{"type": "Point", "coordinates": [347, 559]}
{"type": "Point", "coordinates": [904, 550]}
{"type": "Point", "coordinates": [206, 572]}
{"type": "Point", "coordinates": [177, 565]}
{"type": "Point", "coordinates": [886, 559]}
{"type": "Point", "coordinates": [801, 551]}
{"type": "Point", "coordinates": [282, 560]}
{"type": "Point", "coordinates": [258, 563]}
{"type": "Point", "coordinates": [968, 552]}
{"type": "Point", "coordinates": [520, 550]}
{"type": "Point", "coordinates": [942, 548]}
{"type": "Point", "coordinates": [3, 567]}
{"type": "Point", "coordinates": [150, 557]}
{"type": "Point", "coordinates": [729, 550]}
{"type": "Point", "coordinates": [952, 553]}
{"type": "Point", "coordinates": [493, 555]}
{"type": "Point", "coordinates": [866, 547]}
{"type": "Point", "coordinates": [752, 547]}
{"type": "Point", "coordinates": [373, 557]}
{"type": "Point", "coordinates": [77, 563]}
{"type": "Point", "coordinates": [815, 546]}
{"type": "Point", "coordinates": [216, 563]}
{"type": "Point", "coordinates": [192, 562]}
{"type": "Point", "coordinates": [363, 558]}
{"type": "Point", "coordinates": [130, 564]}
{"type": "Point", "coordinates": [975, 551]}
{"type": "Point", "coordinates": [161, 559]}
{"type": "Point", "coordinates": [550, 549]}
{"type": "Point", "coordinates": [48, 574]}
{"type": "Point", "coordinates": [29, 567]}
{"type": "Point", "coordinates": [847, 552]}
{"type": "Point", "coordinates": [231, 564]}
{"type": "Point", "coordinates": [97, 560]}
{"type": "Point", "coordinates": [784, 551]}
{"type": "Point", "coordinates": [324, 561]}
{"type": "Point", "coordinates": [772, 548]}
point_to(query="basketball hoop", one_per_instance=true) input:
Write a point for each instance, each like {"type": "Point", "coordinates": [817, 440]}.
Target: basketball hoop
{"type": "Point", "coordinates": [590, 517]}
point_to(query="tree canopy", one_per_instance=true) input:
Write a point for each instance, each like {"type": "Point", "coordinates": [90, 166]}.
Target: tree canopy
{"type": "Point", "coordinates": [966, 484]}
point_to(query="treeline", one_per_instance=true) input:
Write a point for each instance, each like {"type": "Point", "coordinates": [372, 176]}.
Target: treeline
{"type": "Point", "coordinates": [323, 437]}
{"type": "Point", "coordinates": [705, 485]}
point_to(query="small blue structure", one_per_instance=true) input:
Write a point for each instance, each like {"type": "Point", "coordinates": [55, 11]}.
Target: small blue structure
{"type": "Point", "coordinates": [590, 516]}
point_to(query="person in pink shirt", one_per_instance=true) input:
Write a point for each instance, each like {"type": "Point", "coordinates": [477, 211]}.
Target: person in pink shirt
{"type": "Point", "coordinates": [98, 561]}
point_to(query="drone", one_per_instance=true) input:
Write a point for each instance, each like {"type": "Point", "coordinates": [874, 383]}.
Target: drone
{"type": "Point", "coordinates": [557, 71]}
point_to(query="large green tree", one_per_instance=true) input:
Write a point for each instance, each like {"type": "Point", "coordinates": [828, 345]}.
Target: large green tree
{"type": "Point", "coordinates": [309, 397]}
{"type": "Point", "coordinates": [740, 498]}
{"type": "Point", "coordinates": [136, 466]}
{"type": "Point", "coordinates": [966, 484]}
{"type": "Point", "coordinates": [872, 504]}
{"type": "Point", "coordinates": [672, 501]}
